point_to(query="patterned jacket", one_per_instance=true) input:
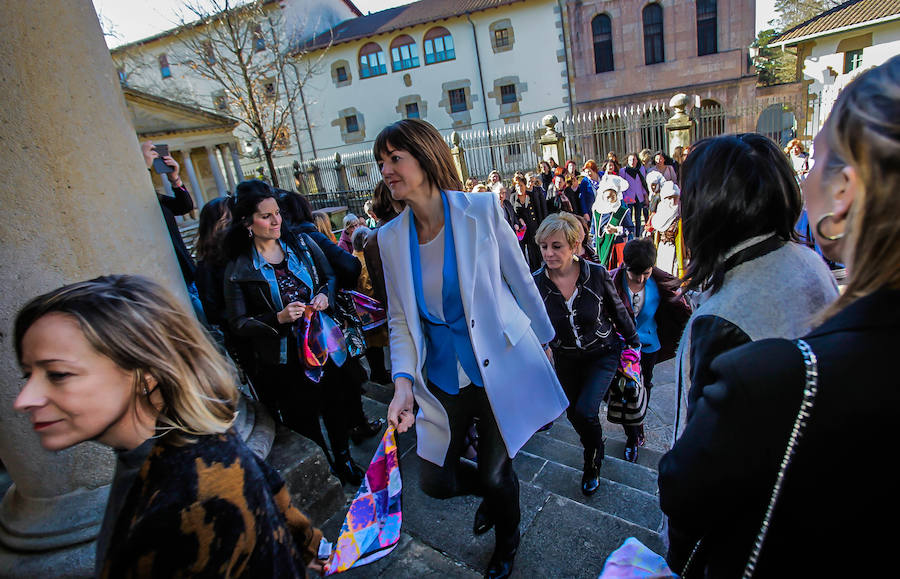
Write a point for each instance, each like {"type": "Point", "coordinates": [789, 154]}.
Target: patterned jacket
{"type": "Point", "coordinates": [209, 508]}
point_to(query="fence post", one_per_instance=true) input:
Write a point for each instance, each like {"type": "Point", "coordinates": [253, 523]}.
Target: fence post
{"type": "Point", "coordinates": [553, 144]}
{"type": "Point", "coordinates": [299, 180]}
{"type": "Point", "coordinates": [459, 158]}
{"type": "Point", "coordinates": [679, 125]}
{"type": "Point", "coordinates": [343, 182]}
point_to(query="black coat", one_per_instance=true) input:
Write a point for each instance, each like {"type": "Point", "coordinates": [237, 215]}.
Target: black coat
{"type": "Point", "coordinates": [345, 265]}
{"type": "Point", "coordinates": [837, 513]}
{"type": "Point", "coordinates": [180, 204]}
{"type": "Point", "coordinates": [249, 306]}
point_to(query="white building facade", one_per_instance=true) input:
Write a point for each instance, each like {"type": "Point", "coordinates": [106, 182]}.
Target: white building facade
{"type": "Point", "coordinates": [474, 65]}
{"type": "Point", "coordinates": [836, 46]}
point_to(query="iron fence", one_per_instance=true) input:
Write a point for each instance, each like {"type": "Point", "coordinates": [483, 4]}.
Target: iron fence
{"type": "Point", "coordinates": [348, 179]}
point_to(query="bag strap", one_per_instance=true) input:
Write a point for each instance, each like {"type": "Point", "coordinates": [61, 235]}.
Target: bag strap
{"type": "Point", "coordinates": [810, 390]}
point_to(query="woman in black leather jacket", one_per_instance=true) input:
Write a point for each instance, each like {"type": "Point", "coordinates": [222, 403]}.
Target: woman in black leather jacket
{"type": "Point", "coordinates": [271, 278]}
{"type": "Point", "coordinates": [588, 317]}
{"type": "Point", "coordinates": [298, 219]}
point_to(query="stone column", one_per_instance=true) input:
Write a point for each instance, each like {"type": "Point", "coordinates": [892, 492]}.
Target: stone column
{"type": "Point", "coordinates": [67, 107]}
{"type": "Point", "coordinates": [236, 161]}
{"type": "Point", "coordinates": [188, 167]}
{"type": "Point", "coordinates": [228, 175]}
{"type": "Point", "coordinates": [679, 125]}
{"type": "Point", "coordinates": [341, 170]}
{"type": "Point", "coordinates": [553, 144]}
{"type": "Point", "coordinates": [459, 158]}
{"type": "Point", "coordinates": [216, 171]}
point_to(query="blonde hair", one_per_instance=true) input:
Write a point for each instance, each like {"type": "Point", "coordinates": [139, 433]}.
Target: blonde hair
{"type": "Point", "coordinates": [566, 223]}
{"type": "Point", "coordinates": [791, 144]}
{"type": "Point", "coordinates": [863, 132]}
{"type": "Point", "coordinates": [323, 225]}
{"type": "Point", "coordinates": [143, 329]}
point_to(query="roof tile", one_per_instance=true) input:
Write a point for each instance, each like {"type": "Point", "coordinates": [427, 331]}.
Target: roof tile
{"type": "Point", "coordinates": [846, 14]}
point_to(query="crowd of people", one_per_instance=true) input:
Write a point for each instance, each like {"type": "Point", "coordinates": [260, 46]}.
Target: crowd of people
{"type": "Point", "coordinates": [506, 308]}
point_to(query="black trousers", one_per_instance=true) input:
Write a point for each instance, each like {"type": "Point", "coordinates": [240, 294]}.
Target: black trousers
{"type": "Point", "coordinates": [285, 389]}
{"type": "Point", "coordinates": [585, 378]}
{"type": "Point", "coordinates": [648, 361]}
{"type": "Point", "coordinates": [494, 479]}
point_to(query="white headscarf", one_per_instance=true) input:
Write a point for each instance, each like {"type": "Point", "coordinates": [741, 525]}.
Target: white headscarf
{"type": "Point", "coordinates": [668, 211]}
{"type": "Point", "coordinates": [654, 177]}
{"type": "Point", "coordinates": [609, 183]}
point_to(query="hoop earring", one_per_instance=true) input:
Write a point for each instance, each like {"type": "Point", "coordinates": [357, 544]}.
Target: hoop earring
{"type": "Point", "coordinates": [823, 235]}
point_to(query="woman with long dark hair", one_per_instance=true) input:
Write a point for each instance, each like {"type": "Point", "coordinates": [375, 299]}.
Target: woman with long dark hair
{"type": "Point", "coordinates": [272, 277]}
{"type": "Point", "coordinates": [782, 459]}
{"type": "Point", "coordinates": [466, 327]}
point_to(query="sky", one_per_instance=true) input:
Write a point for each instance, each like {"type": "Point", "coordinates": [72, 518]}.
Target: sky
{"type": "Point", "coordinates": [132, 20]}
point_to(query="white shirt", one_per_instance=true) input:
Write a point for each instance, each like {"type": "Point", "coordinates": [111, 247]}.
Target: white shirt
{"type": "Point", "coordinates": [431, 259]}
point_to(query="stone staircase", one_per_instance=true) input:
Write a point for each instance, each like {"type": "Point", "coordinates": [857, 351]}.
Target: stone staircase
{"type": "Point", "coordinates": [564, 533]}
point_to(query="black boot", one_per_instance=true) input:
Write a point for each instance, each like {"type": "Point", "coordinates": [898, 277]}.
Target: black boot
{"type": "Point", "coordinates": [501, 563]}
{"type": "Point", "coordinates": [346, 470]}
{"type": "Point", "coordinates": [483, 520]}
{"type": "Point", "coordinates": [590, 480]}
{"type": "Point", "coordinates": [367, 429]}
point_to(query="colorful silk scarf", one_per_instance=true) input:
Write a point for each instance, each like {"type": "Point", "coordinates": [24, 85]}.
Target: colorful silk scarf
{"type": "Point", "coordinates": [369, 310]}
{"type": "Point", "coordinates": [319, 337]}
{"type": "Point", "coordinates": [630, 364]}
{"type": "Point", "coordinates": [371, 529]}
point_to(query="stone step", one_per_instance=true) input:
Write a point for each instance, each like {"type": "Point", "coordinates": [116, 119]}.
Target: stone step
{"type": "Point", "coordinates": [563, 431]}
{"type": "Point", "coordinates": [560, 537]}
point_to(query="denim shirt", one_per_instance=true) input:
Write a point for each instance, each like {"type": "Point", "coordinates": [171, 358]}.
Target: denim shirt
{"type": "Point", "coordinates": [268, 272]}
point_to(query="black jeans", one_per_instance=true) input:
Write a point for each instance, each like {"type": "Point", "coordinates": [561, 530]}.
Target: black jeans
{"type": "Point", "coordinates": [585, 377]}
{"type": "Point", "coordinates": [494, 479]}
{"type": "Point", "coordinates": [638, 210]}
{"type": "Point", "coordinates": [648, 361]}
{"type": "Point", "coordinates": [285, 388]}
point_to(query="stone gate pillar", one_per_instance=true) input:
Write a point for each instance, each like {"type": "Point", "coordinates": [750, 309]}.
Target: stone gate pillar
{"type": "Point", "coordinates": [679, 125]}
{"type": "Point", "coordinates": [553, 144]}
{"type": "Point", "coordinates": [77, 203]}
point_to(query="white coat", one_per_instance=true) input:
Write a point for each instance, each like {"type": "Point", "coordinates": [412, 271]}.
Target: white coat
{"type": "Point", "coordinates": [506, 318]}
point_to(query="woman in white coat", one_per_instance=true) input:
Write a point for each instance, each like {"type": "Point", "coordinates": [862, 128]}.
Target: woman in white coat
{"type": "Point", "coordinates": [461, 357]}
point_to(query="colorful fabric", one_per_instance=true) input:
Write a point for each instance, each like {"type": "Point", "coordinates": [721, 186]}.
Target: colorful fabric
{"type": "Point", "coordinates": [319, 338]}
{"type": "Point", "coordinates": [630, 364]}
{"type": "Point", "coordinates": [371, 529]}
{"type": "Point", "coordinates": [634, 559]}
{"type": "Point", "coordinates": [605, 242]}
{"type": "Point", "coordinates": [520, 233]}
{"type": "Point", "coordinates": [369, 310]}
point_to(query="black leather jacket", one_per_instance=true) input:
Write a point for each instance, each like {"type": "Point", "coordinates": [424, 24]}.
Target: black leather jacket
{"type": "Point", "coordinates": [346, 267]}
{"type": "Point", "coordinates": [249, 306]}
{"type": "Point", "coordinates": [597, 311]}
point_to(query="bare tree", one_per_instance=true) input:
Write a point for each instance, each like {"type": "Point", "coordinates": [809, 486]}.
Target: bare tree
{"type": "Point", "coordinates": [243, 49]}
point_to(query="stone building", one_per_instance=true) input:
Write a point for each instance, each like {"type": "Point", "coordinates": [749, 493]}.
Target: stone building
{"type": "Point", "coordinates": [472, 64]}
{"type": "Point", "coordinates": [201, 141]}
{"type": "Point", "coordinates": [636, 52]}
{"type": "Point", "coordinates": [835, 46]}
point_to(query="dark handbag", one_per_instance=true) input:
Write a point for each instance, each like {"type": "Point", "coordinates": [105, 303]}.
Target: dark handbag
{"type": "Point", "coordinates": [627, 396]}
{"type": "Point", "coordinates": [627, 401]}
{"type": "Point", "coordinates": [351, 325]}
{"type": "Point", "coordinates": [810, 389]}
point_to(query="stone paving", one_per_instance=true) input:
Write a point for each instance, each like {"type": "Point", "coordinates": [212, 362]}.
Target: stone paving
{"type": "Point", "coordinates": [564, 534]}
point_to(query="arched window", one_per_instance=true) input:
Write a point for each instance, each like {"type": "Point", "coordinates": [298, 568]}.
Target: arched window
{"type": "Point", "coordinates": [438, 45]}
{"type": "Point", "coordinates": [654, 49]}
{"type": "Point", "coordinates": [404, 53]}
{"type": "Point", "coordinates": [601, 28]}
{"type": "Point", "coordinates": [706, 27]}
{"type": "Point", "coordinates": [371, 61]}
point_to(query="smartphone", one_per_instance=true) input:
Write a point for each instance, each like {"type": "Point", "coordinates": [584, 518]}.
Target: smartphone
{"type": "Point", "coordinates": [158, 164]}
